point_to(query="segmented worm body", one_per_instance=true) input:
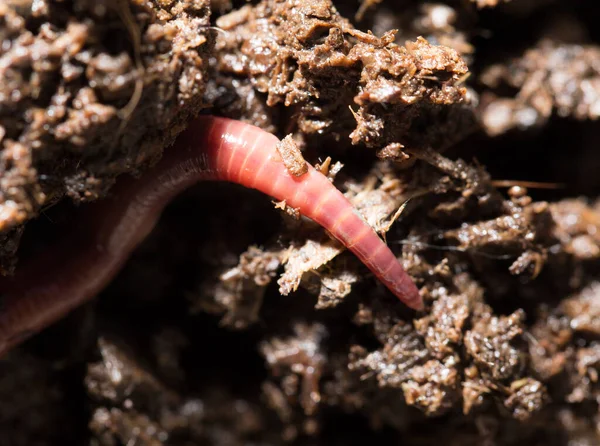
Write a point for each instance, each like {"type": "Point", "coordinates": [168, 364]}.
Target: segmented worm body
{"type": "Point", "coordinates": [74, 271]}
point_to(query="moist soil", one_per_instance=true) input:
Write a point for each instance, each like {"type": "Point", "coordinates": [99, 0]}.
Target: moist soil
{"type": "Point", "coordinates": [465, 132]}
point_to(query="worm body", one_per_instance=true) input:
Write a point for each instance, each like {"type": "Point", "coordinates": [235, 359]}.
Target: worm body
{"type": "Point", "coordinates": [69, 274]}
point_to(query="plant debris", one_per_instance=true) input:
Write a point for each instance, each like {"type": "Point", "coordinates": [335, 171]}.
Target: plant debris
{"type": "Point", "coordinates": [292, 157]}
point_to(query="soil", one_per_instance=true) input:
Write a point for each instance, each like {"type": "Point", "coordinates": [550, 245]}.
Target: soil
{"type": "Point", "coordinates": [465, 132]}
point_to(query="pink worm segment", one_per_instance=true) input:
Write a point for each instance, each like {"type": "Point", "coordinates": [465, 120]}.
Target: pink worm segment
{"type": "Point", "coordinates": [212, 148]}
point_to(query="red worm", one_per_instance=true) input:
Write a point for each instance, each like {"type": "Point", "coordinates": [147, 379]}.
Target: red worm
{"type": "Point", "coordinates": [64, 277]}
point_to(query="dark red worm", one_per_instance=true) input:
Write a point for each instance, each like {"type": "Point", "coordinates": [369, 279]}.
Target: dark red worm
{"type": "Point", "coordinates": [64, 277]}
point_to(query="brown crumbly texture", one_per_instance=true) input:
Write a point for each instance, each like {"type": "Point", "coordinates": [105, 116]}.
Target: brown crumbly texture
{"type": "Point", "coordinates": [551, 78]}
{"type": "Point", "coordinates": [239, 322]}
{"type": "Point", "coordinates": [336, 79]}
{"type": "Point", "coordinates": [292, 156]}
{"type": "Point", "coordinates": [308, 257]}
{"type": "Point", "coordinates": [576, 226]}
{"type": "Point", "coordinates": [118, 386]}
{"type": "Point", "coordinates": [90, 91]}
{"type": "Point", "coordinates": [240, 290]}
{"type": "Point", "coordinates": [438, 23]}
{"type": "Point", "coordinates": [300, 360]}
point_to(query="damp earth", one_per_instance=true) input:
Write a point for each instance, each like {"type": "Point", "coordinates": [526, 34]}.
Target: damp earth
{"type": "Point", "coordinates": [464, 132]}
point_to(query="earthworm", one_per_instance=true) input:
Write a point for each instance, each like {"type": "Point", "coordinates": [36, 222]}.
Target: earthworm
{"type": "Point", "coordinates": [65, 276]}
